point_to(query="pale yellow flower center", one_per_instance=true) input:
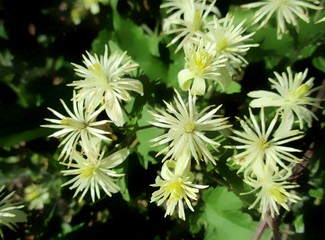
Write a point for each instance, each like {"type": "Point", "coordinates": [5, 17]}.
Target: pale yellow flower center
{"type": "Point", "coordinates": [176, 190]}
{"type": "Point", "coordinates": [276, 193]}
{"type": "Point", "coordinates": [299, 92]}
{"type": "Point", "coordinates": [263, 144]}
{"type": "Point", "coordinates": [200, 61]}
{"type": "Point", "coordinates": [189, 127]}
{"type": "Point", "coordinates": [73, 123]}
{"type": "Point", "coordinates": [98, 70]}
{"type": "Point", "coordinates": [222, 44]}
{"type": "Point", "coordinates": [88, 171]}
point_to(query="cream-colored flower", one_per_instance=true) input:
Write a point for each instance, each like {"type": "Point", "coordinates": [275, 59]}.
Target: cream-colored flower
{"type": "Point", "coordinates": [292, 98]}
{"type": "Point", "coordinates": [230, 40]}
{"type": "Point", "coordinates": [80, 8]}
{"type": "Point", "coordinates": [10, 213]}
{"type": "Point", "coordinates": [187, 19]}
{"type": "Point", "coordinates": [186, 127]}
{"type": "Point", "coordinates": [94, 173]}
{"type": "Point", "coordinates": [175, 187]}
{"type": "Point", "coordinates": [272, 186]}
{"type": "Point", "coordinates": [37, 196]}
{"type": "Point", "coordinates": [262, 143]}
{"type": "Point", "coordinates": [104, 80]}
{"type": "Point", "coordinates": [202, 63]}
{"type": "Point", "coordinates": [286, 11]}
{"type": "Point", "coordinates": [79, 125]}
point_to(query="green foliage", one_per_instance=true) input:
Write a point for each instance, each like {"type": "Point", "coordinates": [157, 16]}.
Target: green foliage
{"type": "Point", "coordinates": [38, 43]}
{"type": "Point", "coordinates": [221, 216]}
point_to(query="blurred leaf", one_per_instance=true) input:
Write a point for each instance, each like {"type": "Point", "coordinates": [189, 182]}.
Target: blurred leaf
{"type": "Point", "coordinates": [3, 33]}
{"type": "Point", "coordinates": [24, 136]}
{"type": "Point", "coordinates": [299, 224]}
{"type": "Point", "coordinates": [234, 87]}
{"type": "Point", "coordinates": [319, 63]}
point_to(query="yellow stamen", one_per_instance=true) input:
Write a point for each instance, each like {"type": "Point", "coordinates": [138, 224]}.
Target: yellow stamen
{"type": "Point", "coordinates": [189, 127]}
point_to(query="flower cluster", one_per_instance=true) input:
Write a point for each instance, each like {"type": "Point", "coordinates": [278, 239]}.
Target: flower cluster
{"type": "Point", "coordinates": [214, 47]}
{"type": "Point", "coordinates": [215, 54]}
{"type": "Point", "coordinates": [186, 140]}
{"type": "Point", "coordinates": [263, 147]}
{"type": "Point", "coordinates": [103, 87]}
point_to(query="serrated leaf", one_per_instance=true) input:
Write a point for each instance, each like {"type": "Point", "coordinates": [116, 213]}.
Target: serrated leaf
{"type": "Point", "coordinates": [222, 216]}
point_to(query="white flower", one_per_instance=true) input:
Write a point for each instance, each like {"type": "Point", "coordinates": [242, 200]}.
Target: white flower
{"type": "Point", "coordinates": [104, 81]}
{"type": "Point", "coordinates": [230, 39]}
{"type": "Point", "coordinates": [176, 187]}
{"type": "Point", "coordinates": [95, 173]}
{"type": "Point", "coordinates": [272, 186]}
{"type": "Point", "coordinates": [292, 97]}
{"type": "Point", "coordinates": [186, 129]}
{"type": "Point", "coordinates": [202, 63]}
{"type": "Point", "coordinates": [10, 212]}
{"type": "Point", "coordinates": [79, 125]}
{"type": "Point", "coordinates": [37, 196]}
{"type": "Point", "coordinates": [286, 12]}
{"type": "Point", "coordinates": [81, 7]}
{"type": "Point", "coordinates": [187, 20]}
{"type": "Point", "coordinates": [261, 145]}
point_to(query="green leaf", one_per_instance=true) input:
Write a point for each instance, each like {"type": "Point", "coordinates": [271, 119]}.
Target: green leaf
{"type": "Point", "coordinates": [234, 87]}
{"type": "Point", "coordinates": [174, 68]}
{"type": "Point", "coordinates": [299, 224]}
{"type": "Point", "coordinates": [138, 45]}
{"type": "Point", "coordinates": [124, 189]}
{"type": "Point", "coordinates": [25, 136]}
{"type": "Point", "coordinates": [222, 216]}
{"type": "Point", "coordinates": [319, 63]}
{"type": "Point", "coordinates": [145, 150]}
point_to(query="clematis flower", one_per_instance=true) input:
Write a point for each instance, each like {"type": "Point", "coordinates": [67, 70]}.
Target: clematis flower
{"type": "Point", "coordinates": [187, 19]}
{"type": "Point", "coordinates": [230, 40]}
{"type": "Point", "coordinates": [260, 145]}
{"type": "Point", "coordinates": [286, 11]}
{"type": "Point", "coordinates": [94, 173]}
{"type": "Point", "coordinates": [202, 63]}
{"type": "Point", "coordinates": [79, 125]}
{"type": "Point", "coordinates": [10, 212]}
{"type": "Point", "coordinates": [104, 80]}
{"type": "Point", "coordinates": [271, 187]}
{"type": "Point", "coordinates": [175, 187]}
{"type": "Point", "coordinates": [292, 98]}
{"type": "Point", "coordinates": [186, 127]}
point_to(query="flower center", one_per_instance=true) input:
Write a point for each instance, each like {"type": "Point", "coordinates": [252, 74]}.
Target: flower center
{"type": "Point", "coordinates": [276, 193]}
{"type": "Point", "coordinates": [176, 190]}
{"type": "Point", "coordinates": [189, 127]}
{"type": "Point", "coordinates": [263, 144]}
{"type": "Point", "coordinates": [98, 71]}
{"type": "Point", "coordinates": [222, 44]}
{"type": "Point", "coordinates": [299, 92]}
{"type": "Point", "coordinates": [88, 171]}
{"type": "Point", "coordinates": [73, 123]}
